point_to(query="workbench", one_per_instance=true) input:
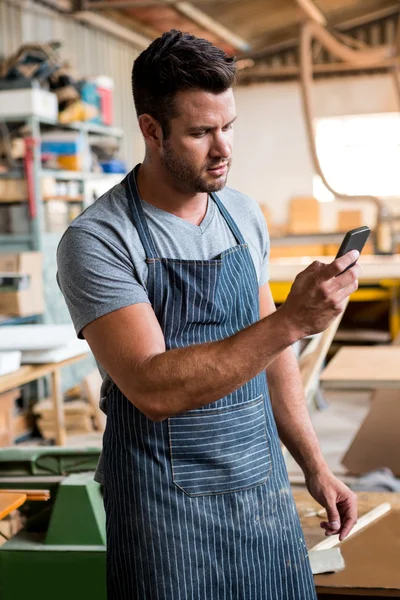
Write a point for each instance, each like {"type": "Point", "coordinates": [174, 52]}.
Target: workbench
{"type": "Point", "coordinates": [380, 280]}
{"type": "Point", "coordinates": [363, 368]}
{"type": "Point", "coordinates": [28, 373]}
{"type": "Point", "coordinates": [314, 534]}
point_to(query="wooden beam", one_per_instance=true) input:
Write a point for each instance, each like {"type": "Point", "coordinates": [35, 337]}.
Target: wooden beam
{"type": "Point", "coordinates": [293, 71]}
{"type": "Point", "coordinates": [312, 11]}
{"type": "Point", "coordinates": [363, 521]}
{"type": "Point", "coordinates": [115, 4]}
{"type": "Point", "coordinates": [90, 18]}
{"type": "Point", "coordinates": [341, 26]}
{"type": "Point", "coordinates": [212, 26]}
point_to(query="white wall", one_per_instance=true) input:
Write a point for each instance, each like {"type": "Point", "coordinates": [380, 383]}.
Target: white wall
{"type": "Point", "coordinates": [271, 158]}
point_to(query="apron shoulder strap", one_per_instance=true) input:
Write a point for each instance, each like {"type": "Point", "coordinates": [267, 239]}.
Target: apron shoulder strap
{"type": "Point", "coordinates": [138, 215]}
{"type": "Point", "coordinates": [228, 218]}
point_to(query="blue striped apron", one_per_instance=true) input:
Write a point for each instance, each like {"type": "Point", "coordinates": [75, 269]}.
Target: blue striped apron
{"type": "Point", "coordinates": [199, 506]}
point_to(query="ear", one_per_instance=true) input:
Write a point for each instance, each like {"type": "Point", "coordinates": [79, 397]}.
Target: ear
{"type": "Point", "coordinates": [151, 131]}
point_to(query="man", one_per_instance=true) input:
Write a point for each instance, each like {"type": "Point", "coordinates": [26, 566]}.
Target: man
{"type": "Point", "coordinates": [168, 282]}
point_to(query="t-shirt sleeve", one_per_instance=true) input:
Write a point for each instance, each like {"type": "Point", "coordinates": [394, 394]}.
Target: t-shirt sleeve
{"type": "Point", "coordinates": [265, 248]}
{"type": "Point", "coordinates": [95, 277]}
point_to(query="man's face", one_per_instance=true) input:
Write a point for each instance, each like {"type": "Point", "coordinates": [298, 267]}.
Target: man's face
{"type": "Point", "coordinates": [197, 154]}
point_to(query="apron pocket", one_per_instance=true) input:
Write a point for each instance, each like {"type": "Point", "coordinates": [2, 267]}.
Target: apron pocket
{"type": "Point", "coordinates": [218, 451]}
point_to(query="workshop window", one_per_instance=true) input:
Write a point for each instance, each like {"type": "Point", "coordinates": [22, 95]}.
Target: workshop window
{"type": "Point", "coordinates": [359, 155]}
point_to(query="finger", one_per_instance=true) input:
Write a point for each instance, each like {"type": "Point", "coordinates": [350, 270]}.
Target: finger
{"type": "Point", "coordinates": [340, 264]}
{"type": "Point", "coordinates": [316, 265]}
{"type": "Point", "coordinates": [349, 519]}
{"type": "Point", "coordinates": [346, 278]}
{"type": "Point", "coordinates": [334, 521]}
{"type": "Point", "coordinates": [341, 296]}
{"type": "Point", "coordinates": [328, 531]}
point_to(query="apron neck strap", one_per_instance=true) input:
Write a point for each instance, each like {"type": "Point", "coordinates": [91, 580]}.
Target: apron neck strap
{"type": "Point", "coordinates": [228, 218]}
{"type": "Point", "coordinates": [140, 220]}
{"type": "Point", "coordinates": [139, 217]}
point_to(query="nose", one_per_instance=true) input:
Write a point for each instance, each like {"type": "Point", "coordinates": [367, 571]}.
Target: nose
{"type": "Point", "coordinates": [221, 146]}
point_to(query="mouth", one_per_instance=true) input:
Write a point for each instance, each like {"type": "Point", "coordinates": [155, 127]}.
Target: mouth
{"type": "Point", "coordinates": [218, 171]}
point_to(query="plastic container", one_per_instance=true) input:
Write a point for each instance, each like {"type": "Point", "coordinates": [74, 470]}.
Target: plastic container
{"type": "Point", "coordinates": [105, 89]}
{"type": "Point", "coordinates": [113, 166]}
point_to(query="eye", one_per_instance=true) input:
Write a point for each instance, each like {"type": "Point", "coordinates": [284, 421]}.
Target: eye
{"type": "Point", "coordinates": [228, 127]}
{"type": "Point", "coordinates": [199, 134]}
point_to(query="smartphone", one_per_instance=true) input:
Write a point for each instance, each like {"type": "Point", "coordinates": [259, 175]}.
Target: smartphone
{"type": "Point", "coordinates": [354, 240]}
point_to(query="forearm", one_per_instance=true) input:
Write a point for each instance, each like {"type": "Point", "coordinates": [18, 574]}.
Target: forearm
{"type": "Point", "coordinates": [182, 379]}
{"type": "Point", "coordinates": [291, 413]}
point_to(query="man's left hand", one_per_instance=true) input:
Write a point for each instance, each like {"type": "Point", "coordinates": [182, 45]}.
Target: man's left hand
{"type": "Point", "coordinates": [338, 500]}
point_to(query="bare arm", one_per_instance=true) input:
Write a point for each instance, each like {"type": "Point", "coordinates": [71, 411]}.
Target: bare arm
{"type": "Point", "coordinates": [129, 344]}
{"type": "Point", "coordinates": [297, 433]}
{"type": "Point", "coordinates": [162, 383]}
{"type": "Point", "coordinates": [287, 397]}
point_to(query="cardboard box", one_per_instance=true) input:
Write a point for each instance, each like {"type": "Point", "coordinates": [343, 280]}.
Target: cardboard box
{"type": "Point", "coordinates": [25, 302]}
{"type": "Point", "coordinates": [304, 216]}
{"type": "Point", "coordinates": [296, 251]}
{"type": "Point", "coordinates": [12, 190]}
{"type": "Point", "coordinates": [349, 219]}
{"type": "Point", "coordinates": [28, 101]}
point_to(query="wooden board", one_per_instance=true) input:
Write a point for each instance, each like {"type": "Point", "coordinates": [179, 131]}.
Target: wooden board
{"type": "Point", "coordinates": [376, 444]}
{"type": "Point", "coordinates": [30, 373]}
{"type": "Point", "coordinates": [372, 559]}
{"type": "Point", "coordinates": [10, 502]}
{"type": "Point", "coordinates": [313, 534]}
{"type": "Point", "coordinates": [92, 387]}
{"type": "Point", "coordinates": [296, 250]}
{"type": "Point", "coordinates": [375, 268]}
{"type": "Point", "coordinates": [363, 367]}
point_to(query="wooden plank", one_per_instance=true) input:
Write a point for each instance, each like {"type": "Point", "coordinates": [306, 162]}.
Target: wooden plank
{"type": "Point", "coordinates": [29, 373]}
{"type": "Point", "coordinates": [376, 443]}
{"type": "Point", "coordinates": [60, 431]}
{"type": "Point", "coordinates": [306, 505]}
{"type": "Point", "coordinates": [91, 387]}
{"type": "Point", "coordinates": [10, 502]}
{"type": "Point", "coordinates": [364, 521]}
{"type": "Point", "coordinates": [30, 494]}
{"type": "Point", "coordinates": [372, 560]}
{"type": "Point", "coordinates": [375, 268]}
{"type": "Point", "coordinates": [363, 367]}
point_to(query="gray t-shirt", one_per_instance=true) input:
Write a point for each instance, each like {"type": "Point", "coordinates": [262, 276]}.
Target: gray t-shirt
{"type": "Point", "coordinates": [101, 260]}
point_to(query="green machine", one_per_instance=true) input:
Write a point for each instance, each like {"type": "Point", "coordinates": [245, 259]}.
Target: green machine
{"type": "Point", "coordinates": [61, 551]}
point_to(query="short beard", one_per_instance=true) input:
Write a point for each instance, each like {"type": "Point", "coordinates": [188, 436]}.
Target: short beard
{"type": "Point", "coordinates": [185, 178]}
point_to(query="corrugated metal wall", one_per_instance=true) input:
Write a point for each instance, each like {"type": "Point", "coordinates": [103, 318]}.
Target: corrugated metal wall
{"type": "Point", "coordinates": [88, 50]}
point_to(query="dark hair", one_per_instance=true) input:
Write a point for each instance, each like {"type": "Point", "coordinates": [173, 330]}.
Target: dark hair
{"type": "Point", "coordinates": [173, 63]}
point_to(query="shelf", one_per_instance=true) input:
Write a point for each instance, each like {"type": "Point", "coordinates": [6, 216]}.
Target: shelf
{"type": "Point", "coordinates": [15, 238]}
{"type": "Point", "coordinates": [77, 125]}
{"type": "Point", "coordinates": [64, 198]}
{"type": "Point", "coordinates": [78, 175]}
{"type": "Point", "coordinates": [2, 201]}
{"type": "Point", "coordinates": [13, 175]}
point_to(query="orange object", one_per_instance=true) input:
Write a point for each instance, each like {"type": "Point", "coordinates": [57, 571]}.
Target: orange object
{"type": "Point", "coordinates": [10, 502]}
{"type": "Point", "coordinates": [70, 162]}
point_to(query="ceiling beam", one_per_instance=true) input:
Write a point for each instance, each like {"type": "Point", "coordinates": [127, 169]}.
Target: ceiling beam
{"type": "Point", "coordinates": [291, 43]}
{"type": "Point", "coordinates": [200, 18]}
{"type": "Point", "coordinates": [115, 4]}
{"type": "Point", "coordinates": [265, 71]}
{"type": "Point", "coordinates": [185, 8]}
{"type": "Point", "coordinates": [312, 11]}
{"type": "Point", "coordinates": [90, 18]}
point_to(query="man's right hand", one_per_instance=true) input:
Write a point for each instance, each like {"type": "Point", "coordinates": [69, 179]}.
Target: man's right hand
{"type": "Point", "coordinates": [319, 294]}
